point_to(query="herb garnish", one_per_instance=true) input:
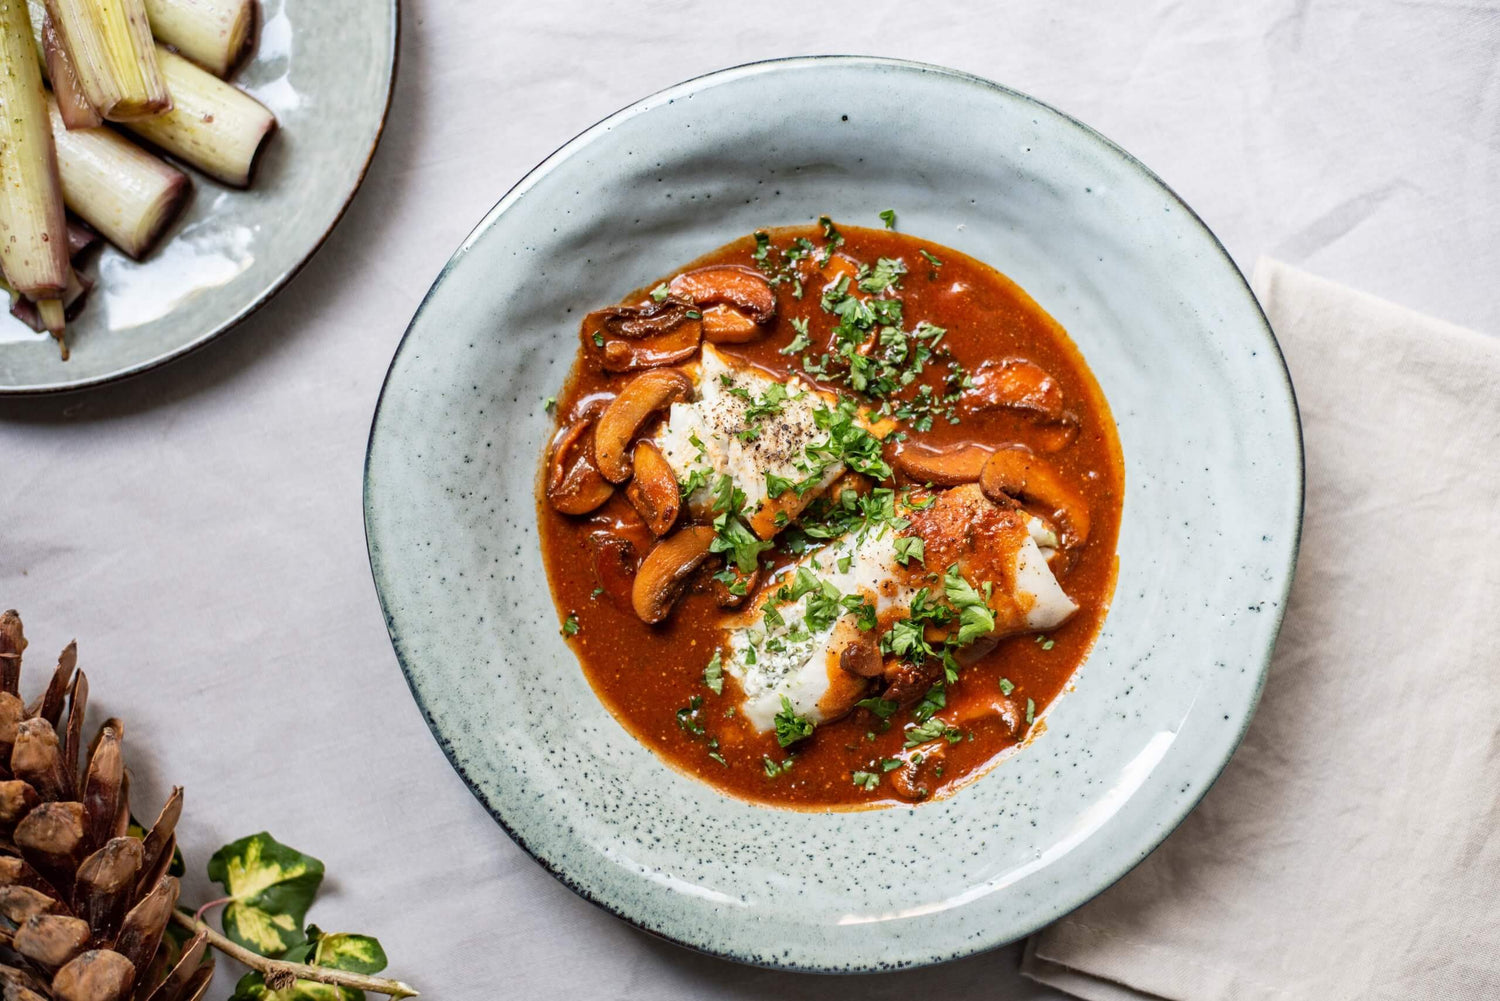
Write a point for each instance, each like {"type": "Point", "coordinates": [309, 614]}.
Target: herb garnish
{"type": "Point", "coordinates": [790, 727]}
{"type": "Point", "coordinates": [713, 674]}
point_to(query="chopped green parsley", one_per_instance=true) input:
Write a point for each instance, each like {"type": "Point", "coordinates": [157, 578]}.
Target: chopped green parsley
{"type": "Point", "coordinates": [790, 727]}
{"type": "Point", "coordinates": [713, 674]}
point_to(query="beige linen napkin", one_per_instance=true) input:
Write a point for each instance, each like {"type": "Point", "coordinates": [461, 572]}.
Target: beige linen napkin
{"type": "Point", "coordinates": [1352, 847]}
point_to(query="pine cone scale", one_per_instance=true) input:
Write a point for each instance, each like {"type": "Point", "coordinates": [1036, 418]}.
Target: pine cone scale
{"type": "Point", "coordinates": [85, 906]}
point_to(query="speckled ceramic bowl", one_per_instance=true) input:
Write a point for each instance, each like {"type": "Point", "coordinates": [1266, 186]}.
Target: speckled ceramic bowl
{"type": "Point", "coordinates": [1214, 491]}
{"type": "Point", "coordinates": [326, 69]}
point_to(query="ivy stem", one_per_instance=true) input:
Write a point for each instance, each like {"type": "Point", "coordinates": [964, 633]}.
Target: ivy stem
{"type": "Point", "coordinates": [198, 914]}
{"type": "Point", "coordinates": [279, 974]}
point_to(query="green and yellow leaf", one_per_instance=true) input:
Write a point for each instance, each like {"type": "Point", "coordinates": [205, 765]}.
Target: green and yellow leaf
{"type": "Point", "coordinates": [270, 887]}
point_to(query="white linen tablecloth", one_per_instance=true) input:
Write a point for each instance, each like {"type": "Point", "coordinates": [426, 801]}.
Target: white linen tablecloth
{"type": "Point", "coordinates": [199, 531]}
{"type": "Point", "coordinates": [1351, 849]}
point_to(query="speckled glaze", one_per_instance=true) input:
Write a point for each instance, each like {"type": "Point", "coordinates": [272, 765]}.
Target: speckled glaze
{"type": "Point", "coordinates": [1214, 491]}
{"type": "Point", "coordinates": [325, 69]}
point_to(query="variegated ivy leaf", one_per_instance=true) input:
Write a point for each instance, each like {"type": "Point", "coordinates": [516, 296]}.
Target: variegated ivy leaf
{"type": "Point", "coordinates": [270, 887]}
{"type": "Point", "coordinates": [355, 953]}
{"type": "Point", "coordinates": [343, 951]}
{"type": "Point", "coordinates": [252, 987]}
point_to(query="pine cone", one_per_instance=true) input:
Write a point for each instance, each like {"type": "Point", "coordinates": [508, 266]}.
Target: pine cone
{"type": "Point", "coordinates": [84, 905]}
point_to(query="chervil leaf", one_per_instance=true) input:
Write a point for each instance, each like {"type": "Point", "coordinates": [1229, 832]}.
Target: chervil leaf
{"type": "Point", "coordinates": [271, 887]}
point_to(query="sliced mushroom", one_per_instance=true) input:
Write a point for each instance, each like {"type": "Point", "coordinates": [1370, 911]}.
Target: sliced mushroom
{"type": "Point", "coordinates": [727, 325]}
{"type": "Point", "coordinates": [732, 594]}
{"type": "Point", "coordinates": [640, 337]}
{"type": "Point", "coordinates": [946, 467]}
{"type": "Point", "coordinates": [639, 322]}
{"type": "Point", "coordinates": [574, 483]}
{"type": "Point", "coordinates": [999, 707]}
{"type": "Point", "coordinates": [668, 349]}
{"type": "Point", "coordinates": [734, 285]}
{"type": "Point", "coordinates": [859, 649]}
{"type": "Point", "coordinates": [1015, 384]}
{"type": "Point", "coordinates": [642, 396]}
{"type": "Point", "coordinates": [653, 489]}
{"type": "Point", "coordinates": [910, 780]}
{"type": "Point", "coordinates": [906, 681]}
{"type": "Point", "coordinates": [1012, 475]}
{"type": "Point", "coordinates": [666, 570]}
{"type": "Point", "coordinates": [615, 562]}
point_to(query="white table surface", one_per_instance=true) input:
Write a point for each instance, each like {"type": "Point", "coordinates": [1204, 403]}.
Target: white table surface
{"type": "Point", "coordinates": [199, 529]}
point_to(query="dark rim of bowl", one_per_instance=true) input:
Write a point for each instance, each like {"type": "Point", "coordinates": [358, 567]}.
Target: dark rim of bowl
{"type": "Point", "coordinates": [266, 294]}
{"type": "Point", "coordinates": [1057, 909]}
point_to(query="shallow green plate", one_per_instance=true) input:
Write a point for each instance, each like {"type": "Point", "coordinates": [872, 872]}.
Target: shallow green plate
{"type": "Point", "coordinates": [1213, 470]}
{"type": "Point", "coordinates": [326, 68]}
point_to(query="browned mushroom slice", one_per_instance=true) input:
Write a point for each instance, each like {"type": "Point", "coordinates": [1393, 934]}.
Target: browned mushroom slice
{"type": "Point", "coordinates": [727, 325]}
{"type": "Point", "coordinates": [647, 336]}
{"type": "Point", "coordinates": [653, 489]}
{"type": "Point", "coordinates": [666, 569]}
{"type": "Point", "coordinates": [1001, 708]}
{"type": "Point", "coordinates": [918, 766]}
{"type": "Point", "coordinates": [908, 681]}
{"type": "Point", "coordinates": [652, 319]}
{"type": "Point", "coordinates": [642, 396]}
{"type": "Point", "coordinates": [50, 940]}
{"type": "Point", "coordinates": [945, 467]}
{"type": "Point", "coordinates": [733, 592]}
{"type": "Point", "coordinates": [574, 483]}
{"type": "Point", "coordinates": [667, 349]}
{"type": "Point", "coordinates": [95, 975]}
{"type": "Point", "coordinates": [859, 652]}
{"type": "Point", "coordinates": [734, 285]}
{"type": "Point", "coordinates": [1014, 384]}
{"type": "Point", "coordinates": [615, 561]}
{"type": "Point", "coordinates": [1012, 475]}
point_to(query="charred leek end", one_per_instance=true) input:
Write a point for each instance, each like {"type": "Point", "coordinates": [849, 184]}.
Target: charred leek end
{"type": "Point", "coordinates": [215, 34]}
{"type": "Point", "coordinates": [33, 227]}
{"type": "Point", "coordinates": [213, 126]}
{"type": "Point", "coordinates": [81, 239]}
{"type": "Point", "coordinates": [109, 44]}
{"type": "Point", "coordinates": [53, 319]}
{"type": "Point", "coordinates": [76, 109]}
{"type": "Point", "coordinates": [116, 187]}
{"type": "Point", "coordinates": [30, 314]}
